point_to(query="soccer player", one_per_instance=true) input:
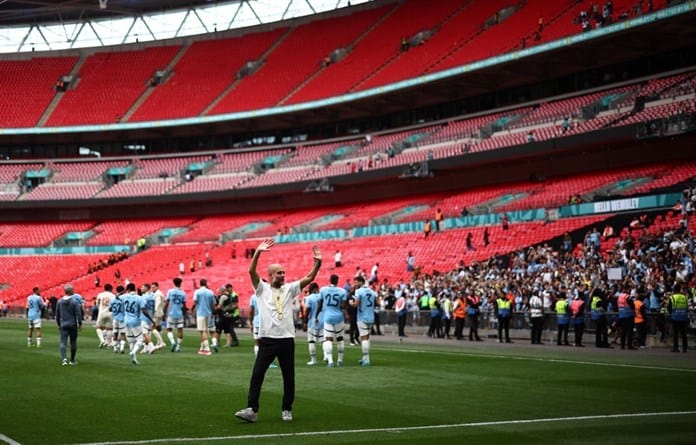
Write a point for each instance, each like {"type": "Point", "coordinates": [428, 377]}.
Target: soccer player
{"type": "Point", "coordinates": [104, 316]}
{"type": "Point", "coordinates": [148, 303]}
{"type": "Point", "coordinates": [118, 316]}
{"type": "Point", "coordinates": [365, 299]}
{"type": "Point", "coordinates": [333, 306]}
{"type": "Point", "coordinates": [314, 322]}
{"type": "Point", "coordinates": [135, 309]}
{"type": "Point", "coordinates": [203, 306]}
{"type": "Point", "coordinates": [276, 330]}
{"type": "Point", "coordinates": [174, 308]}
{"type": "Point", "coordinates": [35, 305]}
{"type": "Point", "coordinates": [159, 314]}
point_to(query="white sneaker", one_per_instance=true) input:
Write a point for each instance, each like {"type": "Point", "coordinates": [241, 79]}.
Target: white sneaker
{"type": "Point", "coordinates": [286, 415]}
{"type": "Point", "coordinates": [311, 363]}
{"type": "Point", "coordinates": [65, 362]}
{"type": "Point", "coordinates": [247, 414]}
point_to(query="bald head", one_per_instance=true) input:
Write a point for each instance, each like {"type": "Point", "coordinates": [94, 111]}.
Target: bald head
{"type": "Point", "coordinates": [276, 275]}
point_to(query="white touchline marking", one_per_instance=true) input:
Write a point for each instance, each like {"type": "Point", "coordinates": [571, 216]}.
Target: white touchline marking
{"type": "Point", "coordinates": [8, 440]}
{"type": "Point", "coordinates": [391, 430]}
{"type": "Point", "coordinates": [552, 360]}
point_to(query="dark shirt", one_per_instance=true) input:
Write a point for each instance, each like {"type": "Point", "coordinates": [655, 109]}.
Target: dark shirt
{"type": "Point", "coordinates": [68, 313]}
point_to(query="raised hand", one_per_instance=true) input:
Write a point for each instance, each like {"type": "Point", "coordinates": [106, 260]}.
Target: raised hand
{"type": "Point", "coordinates": [316, 253]}
{"type": "Point", "coordinates": [266, 244]}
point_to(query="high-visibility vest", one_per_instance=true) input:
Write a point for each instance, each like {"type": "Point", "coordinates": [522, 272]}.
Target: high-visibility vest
{"type": "Point", "coordinates": [562, 311]}
{"type": "Point", "coordinates": [596, 312]}
{"type": "Point", "coordinates": [504, 307]}
{"type": "Point", "coordinates": [639, 316]}
{"type": "Point", "coordinates": [460, 310]}
{"type": "Point", "coordinates": [680, 307]}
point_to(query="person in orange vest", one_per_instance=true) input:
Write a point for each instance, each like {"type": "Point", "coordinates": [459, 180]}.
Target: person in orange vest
{"type": "Point", "coordinates": [639, 321]}
{"type": "Point", "coordinates": [426, 228]}
{"type": "Point", "coordinates": [577, 309]}
{"type": "Point", "coordinates": [438, 219]}
{"type": "Point", "coordinates": [459, 314]}
{"type": "Point", "coordinates": [473, 303]}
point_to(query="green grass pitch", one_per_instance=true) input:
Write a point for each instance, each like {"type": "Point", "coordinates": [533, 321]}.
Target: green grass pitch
{"type": "Point", "coordinates": [419, 392]}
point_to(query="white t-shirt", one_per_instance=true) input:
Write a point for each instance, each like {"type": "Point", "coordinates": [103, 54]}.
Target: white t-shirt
{"type": "Point", "coordinates": [272, 325]}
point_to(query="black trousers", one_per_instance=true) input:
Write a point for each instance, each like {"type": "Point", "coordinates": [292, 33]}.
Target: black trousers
{"type": "Point", "coordinates": [68, 332]}
{"type": "Point", "coordinates": [473, 327]}
{"type": "Point", "coordinates": [679, 330]}
{"type": "Point", "coordinates": [269, 349]}
{"type": "Point", "coordinates": [562, 334]}
{"type": "Point", "coordinates": [626, 325]}
{"type": "Point", "coordinates": [578, 329]}
{"type": "Point", "coordinates": [642, 331]}
{"type": "Point", "coordinates": [504, 326]}
{"type": "Point", "coordinates": [601, 338]}
{"type": "Point", "coordinates": [537, 324]}
{"type": "Point", "coordinates": [459, 328]}
{"type": "Point", "coordinates": [401, 321]}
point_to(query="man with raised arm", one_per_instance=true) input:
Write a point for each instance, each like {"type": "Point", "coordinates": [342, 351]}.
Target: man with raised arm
{"type": "Point", "coordinates": [276, 329]}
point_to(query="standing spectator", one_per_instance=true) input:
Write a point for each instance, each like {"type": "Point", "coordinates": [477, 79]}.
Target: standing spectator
{"type": "Point", "coordinates": [337, 259]}
{"type": "Point", "coordinates": [34, 307]}
{"type": "Point", "coordinates": [536, 317]}
{"type": "Point", "coordinates": [577, 309]}
{"type": "Point", "coordinates": [276, 330]}
{"type": "Point", "coordinates": [439, 217]}
{"type": "Point", "coordinates": [562, 318]}
{"type": "Point", "coordinates": [626, 316]}
{"type": "Point", "coordinates": [352, 312]}
{"type": "Point", "coordinates": [365, 301]}
{"type": "Point", "coordinates": [639, 321]}
{"type": "Point", "coordinates": [426, 228]}
{"type": "Point", "coordinates": [678, 308]}
{"type": "Point", "coordinates": [503, 311]}
{"type": "Point", "coordinates": [599, 317]}
{"type": "Point", "coordinates": [446, 309]}
{"type": "Point", "coordinates": [374, 274]}
{"type": "Point", "coordinates": [410, 262]}
{"type": "Point", "coordinates": [504, 221]}
{"type": "Point", "coordinates": [459, 315]}
{"type": "Point", "coordinates": [227, 314]}
{"type": "Point", "coordinates": [486, 237]}
{"type": "Point", "coordinates": [473, 308]}
{"type": "Point", "coordinates": [376, 328]}
{"type": "Point", "coordinates": [401, 309]}
{"type": "Point", "coordinates": [69, 320]}
{"type": "Point", "coordinates": [234, 303]}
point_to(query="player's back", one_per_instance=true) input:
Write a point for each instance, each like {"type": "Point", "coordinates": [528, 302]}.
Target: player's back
{"type": "Point", "coordinates": [176, 298]}
{"type": "Point", "coordinates": [332, 298]}
{"type": "Point", "coordinates": [132, 304]}
{"type": "Point", "coordinates": [366, 304]}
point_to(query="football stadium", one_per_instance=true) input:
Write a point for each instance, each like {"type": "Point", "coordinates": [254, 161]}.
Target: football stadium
{"type": "Point", "coordinates": [347, 222]}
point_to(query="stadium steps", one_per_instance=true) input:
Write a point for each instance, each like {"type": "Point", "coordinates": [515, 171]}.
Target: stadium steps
{"type": "Point", "coordinates": [349, 49]}
{"type": "Point", "coordinates": [234, 84]}
{"type": "Point", "coordinates": [398, 54]}
{"type": "Point", "coordinates": [169, 69]}
{"type": "Point", "coordinates": [59, 95]}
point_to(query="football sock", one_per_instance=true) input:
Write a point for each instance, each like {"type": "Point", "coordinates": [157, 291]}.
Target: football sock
{"type": "Point", "coordinates": [327, 346]}
{"type": "Point", "coordinates": [170, 336]}
{"type": "Point", "coordinates": [341, 348]}
{"type": "Point", "coordinates": [366, 350]}
{"type": "Point", "coordinates": [100, 335]}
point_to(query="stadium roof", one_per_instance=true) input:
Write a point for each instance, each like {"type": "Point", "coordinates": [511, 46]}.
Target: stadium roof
{"type": "Point", "coordinates": [37, 25]}
{"type": "Point", "coordinates": [35, 11]}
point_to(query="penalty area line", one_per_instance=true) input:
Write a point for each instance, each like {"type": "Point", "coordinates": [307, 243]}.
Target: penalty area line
{"type": "Point", "coordinates": [390, 430]}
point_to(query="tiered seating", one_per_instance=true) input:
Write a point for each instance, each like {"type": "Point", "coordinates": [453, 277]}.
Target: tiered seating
{"type": "Point", "coordinates": [465, 24]}
{"type": "Point", "coordinates": [213, 183]}
{"type": "Point", "coordinates": [668, 175]}
{"type": "Point", "coordinates": [379, 45]}
{"type": "Point", "coordinates": [33, 234]}
{"type": "Point", "coordinates": [76, 171]}
{"type": "Point", "coordinates": [311, 154]}
{"type": "Point", "coordinates": [279, 176]}
{"type": "Point", "coordinates": [11, 172]}
{"type": "Point", "coordinates": [295, 59]}
{"type": "Point", "coordinates": [25, 272]}
{"type": "Point", "coordinates": [165, 166]}
{"type": "Point", "coordinates": [63, 190]}
{"type": "Point", "coordinates": [109, 84]}
{"type": "Point", "coordinates": [202, 74]}
{"type": "Point", "coordinates": [27, 88]}
{"type": "Point", "coordinates": [210, 228]}
{"type": "Point", "coordinates": [661, 109]}
{"type": "Point", "coordinates": [237, 162]}
{"type": "Point", "coordinates": [129, 231]}
{"type": "Point", "coordinates": [146, 187]}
